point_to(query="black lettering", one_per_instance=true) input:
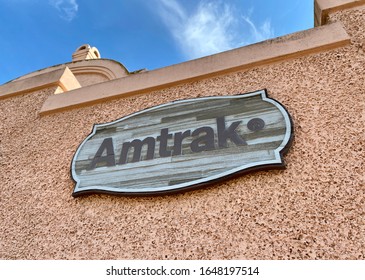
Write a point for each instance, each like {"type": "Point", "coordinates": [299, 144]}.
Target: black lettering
{"type": "Point", "coordinates": [205, 142]}
{"type": "Point", "coordinates": [228, 133]}
{"type": "Point", "coordinates": [114, 271]}
{"type": "Point", "coordinates": [137, 148]}
{"type": "Point", "coordinates": [164, 136]}
{"type": "Point", "coordinates": [163, 271]}
{"type": "Point", "coordinates": [108, 159]}
{"type": "Point", "coordinates": [178, 138]}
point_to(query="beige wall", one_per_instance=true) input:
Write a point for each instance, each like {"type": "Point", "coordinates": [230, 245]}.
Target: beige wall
{"type": "Point", "coordinates": [312, 210]}
{"type": "Point", "coordinates": [90, 79]}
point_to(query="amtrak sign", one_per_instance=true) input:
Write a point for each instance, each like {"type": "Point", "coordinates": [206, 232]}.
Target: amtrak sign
{"type": "Point", "coordinates": [184, 144]}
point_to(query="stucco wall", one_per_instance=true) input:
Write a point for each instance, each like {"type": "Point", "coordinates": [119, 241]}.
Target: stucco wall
{"type": "Point", "coordinates": [312, 210]}
{"type": "Point", "coordinates": [90, 79]}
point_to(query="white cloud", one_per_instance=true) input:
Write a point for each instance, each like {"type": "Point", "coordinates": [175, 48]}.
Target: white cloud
{"type": "Point", "coordinates": [67, 8]}
{"type": "Point", "coordinates": [261, 33]}
{"type": "Point", "coordinates": [213, 27]}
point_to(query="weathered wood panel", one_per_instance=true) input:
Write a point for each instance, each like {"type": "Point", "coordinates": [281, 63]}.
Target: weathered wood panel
{"type": "Point", "coordinates": [182, 144]}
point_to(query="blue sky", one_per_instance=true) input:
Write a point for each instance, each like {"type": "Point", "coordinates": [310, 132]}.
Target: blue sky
{"type": "Point", "coordinates": [36, 34]}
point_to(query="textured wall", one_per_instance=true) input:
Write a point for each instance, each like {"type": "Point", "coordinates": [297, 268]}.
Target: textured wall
{"type": "Point", "coordinates": [312, 210]}
{"type": "Point", "coordinates": [90, 79]}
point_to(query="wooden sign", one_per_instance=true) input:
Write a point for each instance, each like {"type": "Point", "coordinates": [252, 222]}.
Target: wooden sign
{"type": "Point", "coordinates": [182, 145]}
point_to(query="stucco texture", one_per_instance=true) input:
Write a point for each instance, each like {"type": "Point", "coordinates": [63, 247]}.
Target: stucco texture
{"type": "Point", "coordinates": [314, 209]}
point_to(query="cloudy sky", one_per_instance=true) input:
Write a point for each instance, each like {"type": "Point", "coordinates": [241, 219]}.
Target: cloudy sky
{"type": "Point", "coordinates": [151, 34]}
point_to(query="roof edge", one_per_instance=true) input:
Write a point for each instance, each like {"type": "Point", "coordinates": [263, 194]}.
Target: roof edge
{"type": "Point", "coordinates": [322, 8]}
{"type": "Point", "coordinates": [112, 69]}
{"type": "Point", "coordinates": [62, 78]}
{"type": "Point", "coordinates": [280, 49]}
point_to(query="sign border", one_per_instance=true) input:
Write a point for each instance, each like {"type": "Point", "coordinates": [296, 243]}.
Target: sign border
{"type": "Point", "coordinates": [277, 163]}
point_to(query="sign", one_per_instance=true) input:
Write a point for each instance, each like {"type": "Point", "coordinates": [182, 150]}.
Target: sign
{"type": "Point", "coordinates": [183, 145]}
